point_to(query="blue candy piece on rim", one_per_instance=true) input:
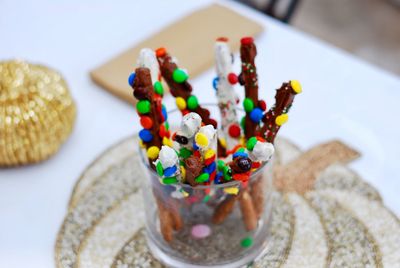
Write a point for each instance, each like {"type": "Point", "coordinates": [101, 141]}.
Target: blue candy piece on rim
{"type": "Point", "coordinates": [131, 79]}
{"type": "Point", "coordinates": [169, 171]}
{"type": "Point", "coordinates": [145, 135]}
{"type": "Point", "coordinates": [256, 115]}
{"type": "Point", "coordinates": [218, 177]}
{"type": "Point", "coordinates": [215, 83]}
{"type": "Point", "coordinates": [210, 168]}
{"type": "Point", "coordinates": [237, 154]}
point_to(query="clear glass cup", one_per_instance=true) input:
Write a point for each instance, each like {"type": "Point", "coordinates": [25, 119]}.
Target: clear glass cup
{"type": "Point", "coordinates": [212, 226]}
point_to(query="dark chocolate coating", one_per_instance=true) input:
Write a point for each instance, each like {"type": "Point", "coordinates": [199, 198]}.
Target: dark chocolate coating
{"type": "Point", "coordinates": [181, 139]}
{"type": "Point", "coordinates": [240, 164]}
{"type": "Point", "coordinates": [194, 166]}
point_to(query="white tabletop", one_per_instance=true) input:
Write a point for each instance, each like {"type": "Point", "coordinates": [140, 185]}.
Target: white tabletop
{"type": "Point", "coordinates": [343, 97]}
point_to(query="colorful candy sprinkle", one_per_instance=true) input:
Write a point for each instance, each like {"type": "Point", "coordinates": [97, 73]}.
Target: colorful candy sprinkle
{"type": "Point", "coordinates": [201, 140]}
{"type": "Point", "coordinates": [234, 131]}
{"type": "Point", "coordinates": [232, 78]}
{"type": "Point", "coordinates": [248, 105]}
{"type": "Point", "coordinates": [192, 102]}
{"type": "Point", "coordinates": [153, 152]}
{"type": "Point", "coordinates": [231, 190]}
{"type": "Point", "coordinates": [169, 171]}
{"type": "Point", "coordinates": [296, 86]}
{"type": "Point", "coordinates": [251, 143]}
{"type": "Point", "coordinates": [256, 115]}
{"type": "Point", "coordinates": [131, 79]}
{"type": "Point", "coordinates": [180, 103]}
{"type": "Point", "coordinates": [200, 231]}
{"type": "Point", "coordinates": [146, 122]}
{"type": "Point", "coordinates": [247, 242]}
{"type": "Point", "coordinates": [170, 180]}
{"type": "Point", "coordinates": [281, 119]}
{"type": "Point", "coordinates": [159, 169]}
{"type": "Point", "coordinates": [179, 75]}
{"type": "Point", "coordinates": [202, 178]}
{"type": "Point", "coordinates": [143, 106]}
{"type": "Point", "coordinates": [215, 83]}
{"type": "Point", "coordinates": [145, 135]}
{"type": "Point", "coordinates": [158, 88]}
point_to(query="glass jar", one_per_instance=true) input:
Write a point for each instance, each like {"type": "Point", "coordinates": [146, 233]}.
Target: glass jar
{"type": "Point", "coordinates": [217, 225]}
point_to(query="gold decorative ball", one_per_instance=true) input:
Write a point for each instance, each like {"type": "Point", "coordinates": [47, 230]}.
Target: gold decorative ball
{"type": "Point", "coordinates": [37, 112]}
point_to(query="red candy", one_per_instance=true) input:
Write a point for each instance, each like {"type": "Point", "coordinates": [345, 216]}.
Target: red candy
{"type": "Point", "coordinates": [256, 165]}
{"type": "Point", "coordinates": [234, 131]}
{"type": "Point", "coordinates": [197, 154]}
{"type": "Point", "coordinates": [247, 40]}
{"type": "Point", "coordinates": [161, 52]}
{"type": "Point", "coordinates": [262, 105]}
{"type": "Point", "coordinates": [146, 122]}
{"type": "Point", "coordinates": [209, 160]}
{"type": "Point", "coordinates": [212, 176]}
{"type": "Point", "coordinates": [185, 112]}
{"type": "Point", "coordinates": [260, 139]}
{"type": "Point", "coordinates": [232, 78]}
{"type": "Point", "coordinates": [241, 176]}
{"type": "Point", "coordinates": [162, 132]}
{"type": "Point", "coordinates": [222, 39]}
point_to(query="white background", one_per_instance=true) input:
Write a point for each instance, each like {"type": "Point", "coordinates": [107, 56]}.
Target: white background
{"type": "Point", "coordinates": [343, 98]}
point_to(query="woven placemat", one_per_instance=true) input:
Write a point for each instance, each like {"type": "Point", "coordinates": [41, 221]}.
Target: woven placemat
{"type": "Point", "coordinates": [326, 216]}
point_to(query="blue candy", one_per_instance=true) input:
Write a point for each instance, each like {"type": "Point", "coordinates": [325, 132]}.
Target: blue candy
{"type": "Point", "coordinates": [145, 135]}
{"type": "Point", "coordinates": [237, 154]}
{"type": "Point", "coordinates": [218, 177]}
{"type": "Point", "coordinates": [256, 115]}
{"type": "Point", "coordinates": [215, 82]}
{"type": "Point", "coordinates": [164, 113]}
{"type": "Point", "coordinates": [210, 168]}
{"type": "Point", "coordinates": [195, 147]}
{"type": "Point", "coordinates": [169, 171]}
{"type": "Point", "coordinates": [131, 79]}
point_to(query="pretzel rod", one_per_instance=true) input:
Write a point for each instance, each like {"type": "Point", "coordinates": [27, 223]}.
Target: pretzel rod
{"type": "Point", "coordinates": [180, 88]}
{"type": "Point", "coordinates": [248, 78]}
{"type": "Point", "coordinates": [227, 98]}
{"type": "Point", "coordinates": [224, 209]}
{"type": "Point", "coordinates": [166, 221]}
{"type": "Point", "coordinates": [278, 114]}
{"type": "Point", "coordinates": [257, 196]}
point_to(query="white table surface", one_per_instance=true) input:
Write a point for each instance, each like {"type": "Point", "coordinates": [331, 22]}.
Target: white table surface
{"type": "Point", "coordinates": [343, 97]}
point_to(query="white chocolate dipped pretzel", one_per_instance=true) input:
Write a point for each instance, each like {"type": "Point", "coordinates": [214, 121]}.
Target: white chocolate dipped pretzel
{"type": "Point", "coordinates": [147, 58]}
{"type": "Point", "coordinates": [226, 95]}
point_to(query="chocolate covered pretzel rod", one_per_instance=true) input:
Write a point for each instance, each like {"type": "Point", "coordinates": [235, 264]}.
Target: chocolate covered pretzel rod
{"type": "Point", "coordinates": [180, 88]}
{"type": "Point", "coordinates": [278, 114]}
{"type": "Point", "coordinates": [248, 78]}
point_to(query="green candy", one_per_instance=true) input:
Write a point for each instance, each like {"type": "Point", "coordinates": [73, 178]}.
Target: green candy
{"type": "Point", "coordinates": [158, 88]}
{"type": "Point", "coordinates": [185, 153]}
{"type": "Point", "coordinates": [192, 102]}
{"type": "Point", "coordinates": [248, 105]}
{"type": "Point", "coordinates": [227, 173]}
{"type": "Point", "coordinates": [246, 242]}
{"type": "Point", "coordinates": [160, 169]}
{"type": "Point", "coordinates": [251, 143]}
{"type": "Point", "coordinates": [170, 180]}
{"type": "Point", "coordinates": [206, 198]}
{"type": "Point", "coordinates": [166, 125]}
{"type": "Point", "coordinates": [242, 122]}
{"type": "Point", "coordinates": [143, 106]}
{"type": "Point", "coordinates": [220, 165]}
{"type": "Point", "coordinates": [202, 178]}
{"type": "Point", "coordinates": [240, 150]}
{"type": "Point", "coordinates": [179, 75]}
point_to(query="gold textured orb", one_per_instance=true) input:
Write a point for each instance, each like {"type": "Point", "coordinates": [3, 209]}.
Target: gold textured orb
{"type": "Point", "coordinates": [37, 112]}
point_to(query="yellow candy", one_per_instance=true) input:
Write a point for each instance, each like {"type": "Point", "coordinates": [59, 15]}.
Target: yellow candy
{"type": "Point", "coordinates": [281, 119]}
{"type": "Point", "coordinates": [183, 173]}
{"type": "Point", "coordinates": [231, 190]}
{"type": "Point", "coordinates": [242, 141]}
{"type": "Point", "coordinates": [153, 152]}
{"type": "Point", "coordinates": [201, 140]}
{"type": "Point", "coordinates": [180, 103]}
{"type": "Point", "coordinates": [167, 142]}
{"type": "Point", "coordinates": [185, 194]}
{"type": "Point", "coordinates": [296, 86]}
{"type": "Point", "coordinates": [141, 144]}
{"type": "Point", "coordinates": [222, 141]}
{"type": "Point", "coordinates": [209, 153]}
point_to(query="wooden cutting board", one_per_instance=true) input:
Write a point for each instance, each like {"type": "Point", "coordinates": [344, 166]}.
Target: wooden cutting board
{"type": "Point", "coordinates": [190, 40]}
